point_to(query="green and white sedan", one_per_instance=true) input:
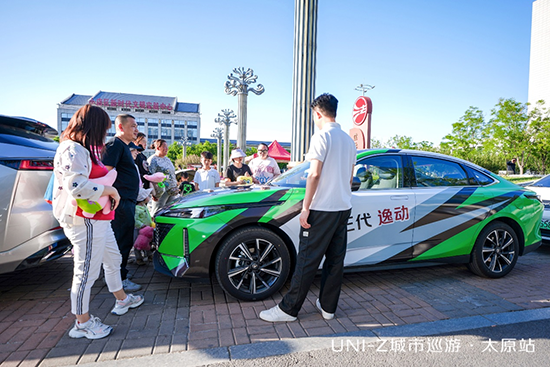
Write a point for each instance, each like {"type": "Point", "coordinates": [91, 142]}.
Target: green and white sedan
{"type": "Point", "coordinates": [410, 208]}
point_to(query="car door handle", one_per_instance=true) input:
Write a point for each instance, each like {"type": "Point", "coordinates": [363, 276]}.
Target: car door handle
{"type": "Point", "coordinates": [399, 197]}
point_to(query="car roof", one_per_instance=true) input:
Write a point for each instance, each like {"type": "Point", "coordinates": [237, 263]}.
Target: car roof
{"type": "Point", "coordinates": [16, 124]}
{"type": "Point", "coordinates": [367, 152]}
{"type": "Point", "coordinates": [23, 137]}
{"type": "Point", "coordinates": [544, 181]}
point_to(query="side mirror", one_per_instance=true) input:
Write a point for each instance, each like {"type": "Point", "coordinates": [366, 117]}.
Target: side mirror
{"type": "Point", "coordinates": [355, 184]}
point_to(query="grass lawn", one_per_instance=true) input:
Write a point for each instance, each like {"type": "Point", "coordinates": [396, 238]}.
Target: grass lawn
{"type": "Point", "coordinates": [518, 180]}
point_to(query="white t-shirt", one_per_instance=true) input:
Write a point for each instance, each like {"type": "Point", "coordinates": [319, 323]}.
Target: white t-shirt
{"type": "Point", "coordinates": [207, 179]}
{"type": "Point", "coordinates": [263, 170]}
{"type": "Point", "coordinates": [337, 151]}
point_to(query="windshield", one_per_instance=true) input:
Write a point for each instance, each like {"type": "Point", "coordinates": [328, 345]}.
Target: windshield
{"type": "Point", "coordinates": [295, 177]}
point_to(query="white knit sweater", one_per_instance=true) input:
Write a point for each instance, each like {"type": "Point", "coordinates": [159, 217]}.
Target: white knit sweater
{"type": "Point", "coordinates": [72, 166]}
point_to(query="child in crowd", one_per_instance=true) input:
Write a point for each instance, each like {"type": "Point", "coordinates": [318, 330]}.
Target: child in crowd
{"type": "Point", "coordinates": [185, 187]}
{"type": "Point", "coordinates": [143, 219]}
{"type": "Point", "coordinates": [206, 177]}
{"type": "Point", "coordinates": [142, 216]}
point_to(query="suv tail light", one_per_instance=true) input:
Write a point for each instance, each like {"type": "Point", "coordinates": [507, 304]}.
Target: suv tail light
{"type": "Point", "coordinates": [28, 165]}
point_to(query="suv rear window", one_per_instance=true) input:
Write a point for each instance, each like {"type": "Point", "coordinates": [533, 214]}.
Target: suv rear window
{"type": "Point", "coordinates": [28, 133]}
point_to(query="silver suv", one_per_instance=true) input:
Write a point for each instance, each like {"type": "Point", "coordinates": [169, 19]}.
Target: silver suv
{"type": "Point", "coordinates": [29, 234]}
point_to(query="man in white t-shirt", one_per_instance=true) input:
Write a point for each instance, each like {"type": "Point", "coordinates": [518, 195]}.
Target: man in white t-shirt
{"type": "Point", "coordinates": [264, 168]}
{"type": "Point", "coordinates": [206, 177]}
{"type": "Point", "coordinates": [323, 220]}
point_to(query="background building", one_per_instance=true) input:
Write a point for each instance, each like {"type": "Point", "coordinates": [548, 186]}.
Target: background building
{"type": "Point", "coordinates": [539, 65]}
{"type": "Point", "coordinates": [157, 117]}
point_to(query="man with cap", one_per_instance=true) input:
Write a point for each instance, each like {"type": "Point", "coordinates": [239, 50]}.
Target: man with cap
{"type": "Point", "coordinates": [237, 169]}
{"type": "Point", "coordinates": [141, 160]}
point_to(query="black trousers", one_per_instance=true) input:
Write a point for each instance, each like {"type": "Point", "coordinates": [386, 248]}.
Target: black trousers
{"type": "Point", "coordinates": [327, 237]}
{"type": "Point", "coordinates": [123, 227]}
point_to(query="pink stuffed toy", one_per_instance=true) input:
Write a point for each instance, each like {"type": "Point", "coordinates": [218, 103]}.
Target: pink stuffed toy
{"type": "Point", "coordinates": [143, 240]}
{"type": "Point", "coordinates": [156, 177]}
{"type": "Point", "coordinates": [158, 186]}
{"type": "Point", "coordinates": [90, 208]}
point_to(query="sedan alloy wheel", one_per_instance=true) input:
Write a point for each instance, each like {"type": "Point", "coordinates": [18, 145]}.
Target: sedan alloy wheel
{"type": "Point", "coordinates": [253, 264]}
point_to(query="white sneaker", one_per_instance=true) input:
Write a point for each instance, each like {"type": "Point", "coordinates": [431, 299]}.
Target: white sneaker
{"type": "Point", "coordinates": [326, 315]}
{"type": "Point", "coordinates": [275, 314]}
{"type": "Point", "coordinates": [130, 286]}
{"type": "Point", "coordinates": [93, 329]}
{"type": "Point", "coordinates": [121, 307]}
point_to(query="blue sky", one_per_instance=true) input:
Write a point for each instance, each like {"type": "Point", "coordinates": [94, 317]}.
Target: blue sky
{"type": "Point", "coordinates": [428, 60]}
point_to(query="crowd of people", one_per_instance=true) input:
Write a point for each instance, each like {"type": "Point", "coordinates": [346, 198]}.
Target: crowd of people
{"type": "Point", "coordinates": [86, 169]}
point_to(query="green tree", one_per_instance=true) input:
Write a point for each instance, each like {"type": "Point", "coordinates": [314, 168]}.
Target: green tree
{"type": "Point", "coordinates": [510, 130]}
{"type": "Point", "coordinates": [190, 159]}
{"type": "Point", "coordinates": [539, 147]}
{"type": "Point", "coordinates": [468, 135]}
{"type": "Point", "coordinates": [174, 152]}
{"type": "Point", "coordinates": [375, 143]}
{"type": "Point", "coordinates": [426, 146]}
{"type": "Point", "coordinates": [402, 142]}
{"type": "Point", "coordinates": [207, 146]}
{"type": "Point", "coordinates": [405, 142]}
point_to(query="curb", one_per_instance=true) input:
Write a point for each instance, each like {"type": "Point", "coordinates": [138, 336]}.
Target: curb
{"type": "Point", "coordinates": [195, 358]}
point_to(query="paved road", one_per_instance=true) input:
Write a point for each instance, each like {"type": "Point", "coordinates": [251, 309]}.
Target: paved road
{"type": "Point", "coordinates": [506, 342]}
{"type": "Point", "coordinates": [200, 320]}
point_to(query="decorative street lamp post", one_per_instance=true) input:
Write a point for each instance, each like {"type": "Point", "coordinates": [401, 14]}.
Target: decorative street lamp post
{"type": "Point", "coordinates": [364, 88]}
{"type": "Point", "coordinates": [238, 84]}
{"type": "Point", "coordinates": [225, 118]}
{"type": "Point", "coordinates": [218, 133]}
{"type": "Point", "coordinates": [185, 142]}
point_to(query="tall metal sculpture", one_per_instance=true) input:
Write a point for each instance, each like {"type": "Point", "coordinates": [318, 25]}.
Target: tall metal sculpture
{"type": "Point", "coordinates": [217, 134]}
{"type": "Point", "coordinates": [238, 83]}
{"type": "Point", "coordinates": [226, 118]}
{"type": "Point", "coordinates": [303, 83]}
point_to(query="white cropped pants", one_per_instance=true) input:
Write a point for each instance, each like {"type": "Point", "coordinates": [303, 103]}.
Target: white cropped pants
{"type": "Point", "coordinates": [94, 244]}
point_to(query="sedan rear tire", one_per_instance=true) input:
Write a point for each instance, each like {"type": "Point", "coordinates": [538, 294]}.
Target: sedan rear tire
{"type": "Point", "coordinates": [495, 252]}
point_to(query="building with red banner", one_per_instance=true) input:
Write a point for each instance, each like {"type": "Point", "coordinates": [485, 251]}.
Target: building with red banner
{"type": "Point", "coordinates": [157, 117]}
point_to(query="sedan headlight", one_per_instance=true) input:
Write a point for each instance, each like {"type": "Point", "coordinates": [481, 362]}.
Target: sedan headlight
{"type": "Point", "coordinates": [203, 212]}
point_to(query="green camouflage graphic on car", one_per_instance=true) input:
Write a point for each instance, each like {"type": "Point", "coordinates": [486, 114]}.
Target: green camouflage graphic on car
{"type": "Point", "coordinates": [204, 232]}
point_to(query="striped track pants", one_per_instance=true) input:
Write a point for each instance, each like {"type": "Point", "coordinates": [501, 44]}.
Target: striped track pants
{"type": "Point", "coordinates": [93, 244]}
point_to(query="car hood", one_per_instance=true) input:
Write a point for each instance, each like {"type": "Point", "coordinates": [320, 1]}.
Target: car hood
{"type": "Point", "coordinates": [231, 196]}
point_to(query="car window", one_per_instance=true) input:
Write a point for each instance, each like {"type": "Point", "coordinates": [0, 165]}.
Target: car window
{"type": "Point", "coordinates": [481, 178]}
{"type": "Point", "coordinates": [26, 129]}
{"type": "Point", "coordinates": [376, 173]}
{"type": "Point", "coordinates": [431, 172]}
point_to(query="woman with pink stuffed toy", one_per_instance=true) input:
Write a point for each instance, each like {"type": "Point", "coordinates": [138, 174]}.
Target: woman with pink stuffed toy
{"type": "Point", "coordinates": [76, 162]}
